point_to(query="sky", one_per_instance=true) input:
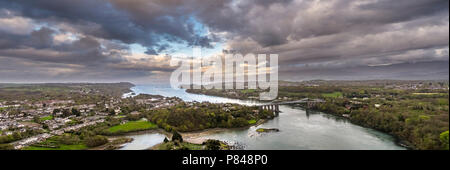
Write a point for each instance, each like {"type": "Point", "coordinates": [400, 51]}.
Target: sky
{"type": "Point", "coordinates": [134, 40]}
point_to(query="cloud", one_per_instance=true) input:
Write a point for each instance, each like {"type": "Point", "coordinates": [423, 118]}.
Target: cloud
{"type": "Point", "coordinates": [137, 21]}
{"type": "Point", "coordinates": [16, 25]}
{"type": "Point", "coordinates": [92, 39]}
{"type": "Point", "coordinates": [361, 33]}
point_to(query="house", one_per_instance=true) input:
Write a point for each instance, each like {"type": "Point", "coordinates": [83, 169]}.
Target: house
{"type": "Point", "coordinates": [256, 112]}
{"type": "Point", "coordinates": [135, 113]}
{"type": "Point", "coordinates": [117, 111]}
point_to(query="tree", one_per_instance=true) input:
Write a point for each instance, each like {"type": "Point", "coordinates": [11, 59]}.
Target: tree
{"type": "Point", "coordinates": [444, 140]}
{"type": "Point", "coordinates": [69, 139]}
{"type": "Point", "coordinates": [112, 112]}
{"type": "Point", "coordinates": [239, 122]}
{"type": "Point", "coordinates": [212, 144]}
{"type": "Point", "coordinates": [177, 137]}
{"type": "Point", "coordinates": [66, 113]}
{"type": "Point", "coordinates": [93, 141]}
{"type": "Point", "coordinates": [36, 119]}
{"type": "Point", "coordinates": [6, 147]}
{"type": "Point", "coordinates": [17, 135]}
{"type": "Point", "coordinates": [55, 111]}
{"type": "Point", "coordinates": [76, 112]}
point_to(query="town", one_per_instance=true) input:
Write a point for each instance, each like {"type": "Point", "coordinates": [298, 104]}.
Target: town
{"type": "Point", "coordinates": [31, 116]}
{"type": "Point", "coordinates": [64, 110]}
{"type": "Point", "coordinates": [26, 122]}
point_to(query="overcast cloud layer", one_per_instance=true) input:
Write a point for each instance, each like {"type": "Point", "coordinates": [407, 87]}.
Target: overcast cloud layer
{"type": "Point", "coordinates": [94, 40]}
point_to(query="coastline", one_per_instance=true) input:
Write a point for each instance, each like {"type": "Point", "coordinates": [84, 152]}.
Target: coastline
{"type": "Point", "coordinates": [196, 136]}
{"type": "Point", "coordinates": [191, 137]}
{"type": "Point", "coordinates": [397, 140]}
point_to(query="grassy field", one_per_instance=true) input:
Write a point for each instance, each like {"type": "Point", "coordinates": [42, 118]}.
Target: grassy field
{"type": "Point", "coordinates": [253, 121]}
{"type": "Point", "coordinates": [132, 126]}
{"type": "Point", "coordinates": [260, 130]}
{"type": "Point", "coordinates": [248, 91]}
{"type": "Point", "coordinates": [332, 95]}
{"type": "Point", "coordinates": [426, 93]}
{"type": "Point", "coordinates": [192, 146]}
{"type": "Point", "coordinates": [56, 143]}
{"type": "Point", "coordinates": [182, 145]}
{"type": "Point", "coordinates": [61, 147]}
{"type": "Point", "coordinates": [46, 118]}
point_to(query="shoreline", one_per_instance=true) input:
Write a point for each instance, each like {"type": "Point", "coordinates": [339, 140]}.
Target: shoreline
{"type": "Point", "coordinates": [397, 140]}
{"type": "Point", "coordinates": [195, 136]}
{"type": "Point", "coordinates": [191, 137]}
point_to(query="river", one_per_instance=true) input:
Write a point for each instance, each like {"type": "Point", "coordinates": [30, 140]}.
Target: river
{"type": "Point", "coordinates": [299, 129]}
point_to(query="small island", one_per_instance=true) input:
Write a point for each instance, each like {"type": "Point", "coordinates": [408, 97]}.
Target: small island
{"type": "Point", "coordinates": [267, 130]}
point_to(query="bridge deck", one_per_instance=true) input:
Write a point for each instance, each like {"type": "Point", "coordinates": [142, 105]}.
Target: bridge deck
{"type": "Point", "coordinates": [306, 100]}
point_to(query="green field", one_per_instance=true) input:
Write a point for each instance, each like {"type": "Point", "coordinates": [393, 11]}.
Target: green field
{"type": "Point", "coordinates": [253, 121]}
{"type": "Point", "coordinates": [332, 95]}
{"type": "Point", "coordinates": [46, 118]}
{"type": "Point", "coordinates": [61, 147]}
{"type": "Point", "coordinates": [192, 146]}
{"type": "Point", "coordinates": [132, 126]}
{"type": "Point", "coordinates": [248, 91]}
{"type": "Point", "coordinates": [182, 145]}
{"type": "Point", "coordinates": [56, 143]}
{"type": "Point", "coordinates": [426, 94]}
{"type": "Point", "coordinates": [260, 130]}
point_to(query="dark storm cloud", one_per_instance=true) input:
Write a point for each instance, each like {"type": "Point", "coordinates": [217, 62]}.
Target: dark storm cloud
{"type": "Point", "coordinates": [39, 39]}
{"type": "Point", "coordinates": [90, 39]}
{"type": "Point", "coordinates": [39, 46]}
{"type": "Point", "coordinates": [36, 71]}
{"type": "Point", "coordinates": [42, 38]}
{"type": "Point", "coordinates": [135, 21]}
{"type": "Point", "coordinates": [406, 71]}
{"type": "Point", "coordinates": [400, 10]}
{"type": "Point", "coordinates": [274, 22]}
{"type": "Point", "coordinates": [328, 32]}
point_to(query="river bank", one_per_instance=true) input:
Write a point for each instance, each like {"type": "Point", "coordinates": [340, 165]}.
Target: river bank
{"type": "Point", "coordinates": [298, 129]}
{"type": "Point", "coordinates": [194, 137]}
{"type": "Point", "coordinates": [398, 140]}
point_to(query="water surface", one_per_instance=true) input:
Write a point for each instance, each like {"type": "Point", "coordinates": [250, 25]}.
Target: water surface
{"type": "Point", "coordinates": [143, 141]}
{"type": "Point", "coordinates": [299, 129]}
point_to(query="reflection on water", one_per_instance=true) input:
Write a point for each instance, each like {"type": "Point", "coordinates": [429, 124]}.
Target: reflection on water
{"type": "Point", "coordinates": [143, 141]}
{"type": "Point", "coordinates": [167, 91]}
{"type": "Point", "coordinates": [299, 129]}
{"type": "Point", "coordinates": [298, 132]}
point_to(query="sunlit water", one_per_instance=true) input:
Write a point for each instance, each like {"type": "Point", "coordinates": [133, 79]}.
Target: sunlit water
{"type": "Point", "coordinates": [299, 129]}
{"type": "Point", "coordinates": [167, 91]}
{"type": "Point", "coordinates": [143, 141]}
